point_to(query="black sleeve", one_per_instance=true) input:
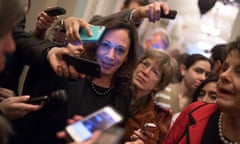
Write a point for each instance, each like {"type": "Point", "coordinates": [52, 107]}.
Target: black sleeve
{"type": "Point", "coordinates": [28, 48]}
{"type": "Point", "coordinates": [96, 20]}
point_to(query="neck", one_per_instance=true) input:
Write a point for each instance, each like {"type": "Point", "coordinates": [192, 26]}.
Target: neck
{"type": "Point", "coordinates": [104, 81]}
{"type": "Point", "coordinates": [185, 91]}
{"type": "Point", "coordinates": [231, 127]}
{"type": "Point", "coordinates": [137, 93]}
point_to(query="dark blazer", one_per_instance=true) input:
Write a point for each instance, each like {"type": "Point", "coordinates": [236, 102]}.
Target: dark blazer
{"type": "Point", "coordinates": [29, 50]}
{"type": "Point", "coordinates": [76, 93]}
{"type": "Point", "coordinates": [191, 123]}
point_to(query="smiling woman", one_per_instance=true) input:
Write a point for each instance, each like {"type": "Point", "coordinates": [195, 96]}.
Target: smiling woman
{"type": "Point", "coordinates": [115, 52]}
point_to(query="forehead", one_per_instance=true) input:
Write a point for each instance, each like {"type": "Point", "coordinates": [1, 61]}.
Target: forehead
{"type": "Point", "coordinates": [118, 36]}
{"type": "Point", "coordinates": [201, 64]}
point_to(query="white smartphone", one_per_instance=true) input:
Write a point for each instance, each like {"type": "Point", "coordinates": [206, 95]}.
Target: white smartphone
{"type": "Point", "coordinates": [99, 120]}
{"type": "Point", "coordinates": [111, 135]}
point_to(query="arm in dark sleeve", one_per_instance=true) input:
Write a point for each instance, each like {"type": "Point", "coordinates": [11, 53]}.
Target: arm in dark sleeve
{"type": "Point", "coordinates": [30, 49]}
{"type": "Point", "coordinates": [96, 20]}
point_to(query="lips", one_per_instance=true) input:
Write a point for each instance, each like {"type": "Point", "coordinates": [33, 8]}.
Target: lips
{"type": "Point", "coordinates": [106, 65]}
{"type": "Point", "coordinates": [224, 91]}
{"type": "Point", "coordinates": [141, 79]}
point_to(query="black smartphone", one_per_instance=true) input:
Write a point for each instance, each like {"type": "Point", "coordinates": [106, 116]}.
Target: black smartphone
{"type": "Point", "coordinates": [83, 65]}
{"type": "Point", "coordinates": [171, 15]}
{"type": "Point", "coordinates": [55, 11]}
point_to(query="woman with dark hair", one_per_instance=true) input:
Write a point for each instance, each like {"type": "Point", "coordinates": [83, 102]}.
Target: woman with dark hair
{"type": "Point", "coordinates": [207, 90]}
{"type": "Point", "coordinates": [115, 52]}
{"type": "Point", "coordinates": [177, 96]}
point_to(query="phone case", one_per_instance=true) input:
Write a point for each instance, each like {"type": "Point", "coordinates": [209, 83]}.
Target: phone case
{"type": "Point", "coordinates": [171, 15]}
{"type": "Point", "coordinates": [85, 66]}
{"type": "Point", "coordinates": [97, 33]}
{"type": "Point", "coordinates": [55, 11]}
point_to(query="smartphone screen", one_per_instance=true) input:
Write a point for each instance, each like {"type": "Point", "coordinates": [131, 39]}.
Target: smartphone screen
{"type": "Point", "coordinates": [100, 120]}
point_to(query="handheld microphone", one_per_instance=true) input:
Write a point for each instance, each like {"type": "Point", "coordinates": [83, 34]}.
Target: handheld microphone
{"type": "Point", "coordinates": [57, 96]}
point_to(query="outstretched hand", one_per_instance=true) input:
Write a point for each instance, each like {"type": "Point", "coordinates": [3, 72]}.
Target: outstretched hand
{"type": "Point", "coordinates": [151, 11]}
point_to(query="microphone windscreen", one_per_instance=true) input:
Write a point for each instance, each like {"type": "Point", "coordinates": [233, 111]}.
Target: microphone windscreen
{"type": "Point", "coordinates": [57, 96]}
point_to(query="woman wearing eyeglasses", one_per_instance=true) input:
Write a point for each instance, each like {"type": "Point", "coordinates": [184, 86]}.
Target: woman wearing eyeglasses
{"type": "Point", "coordinates": [154, 71]}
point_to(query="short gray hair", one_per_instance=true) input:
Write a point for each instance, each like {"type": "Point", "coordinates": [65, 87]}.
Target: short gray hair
{"type": "Point", "coordinates": [164, 36]}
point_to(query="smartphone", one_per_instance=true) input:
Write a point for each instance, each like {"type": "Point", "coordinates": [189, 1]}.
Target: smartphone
{"type": "Point", "coordinates": [97, 34]}
{"type": "Point", "coordinates": [112, 135]}
{"type": "Point", "coordinates": [55, 11]}
{"type": "Point", "coordinates": [171, 15]}
{"type": "Point", "coordinates": [83, 65]}
{"type": "Point", "coordinates": [158, 108]}
{"type": "Point", "coordinates": [151, 127]}
{"type": "Point", "coordinates": [99, 120]}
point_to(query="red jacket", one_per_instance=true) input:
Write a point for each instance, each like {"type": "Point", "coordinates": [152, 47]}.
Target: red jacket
{"type": "Point", "coordinates": [191, 123]}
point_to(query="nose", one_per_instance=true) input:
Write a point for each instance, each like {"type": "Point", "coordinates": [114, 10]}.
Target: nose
{"type": "Point", "coordinates": [224, 76]}
{"type": "Point", "coordinates": [111, 53]}
{"type": "Point", "coordinates": [147, 70]}
{"type": "Point", "coordinates": [203, 76]}
{"type": "Point", "coordinates": [205, 98]}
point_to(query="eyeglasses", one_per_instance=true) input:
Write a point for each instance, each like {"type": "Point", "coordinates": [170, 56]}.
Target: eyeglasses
{"type": "Point", "coordinates": [153, 71]}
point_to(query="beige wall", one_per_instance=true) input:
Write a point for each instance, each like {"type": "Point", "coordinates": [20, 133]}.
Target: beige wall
{"type": "Point", "coordinates": [39, 5]}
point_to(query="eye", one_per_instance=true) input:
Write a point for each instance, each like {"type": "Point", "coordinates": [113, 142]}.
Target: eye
{"type": "Point", "coordinates": [105, 45]}
{"type": "Point", "coordinates": [237, 69]}
{"type": "Point", "coordinates": [201, 93]}
{"type": "Point", "coordinates": [156, 72]}
{"type": "Point", "coordinates": [199, 71]}
{"type": "Point", "coordinates": [213, 96]}
{"type": "Point", "coordinates": [120, 49]}
{"type": "Point", "coordinates": [145, 63]}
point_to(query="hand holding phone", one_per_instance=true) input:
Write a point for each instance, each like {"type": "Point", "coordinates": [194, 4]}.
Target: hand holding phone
{"type": "Point", "coordinates": [97, 34]}
{"type": "Point", "coordinates": [99, 120]}
{"type": "Point", "coordinates": [55, 11]}
{"type": "Point", "coordinates": [158, 108]}
{"type": "Point", "coordinates": [85, 66]}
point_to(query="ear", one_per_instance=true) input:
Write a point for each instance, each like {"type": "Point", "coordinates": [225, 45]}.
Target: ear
{"type": "Point", "coordinates": [218, 64]}
{"type": "Point", "coordinates": [122, 7]}
{"type": "Point", "coordinates": [182, 69]}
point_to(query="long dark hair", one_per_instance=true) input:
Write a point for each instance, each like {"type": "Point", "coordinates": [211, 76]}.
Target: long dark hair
{"type": "Point", "coordinates": [211, 78]}
{"type": "Point", "coordinates": [124, 73]}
